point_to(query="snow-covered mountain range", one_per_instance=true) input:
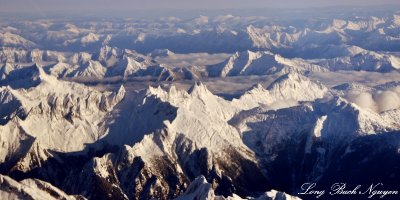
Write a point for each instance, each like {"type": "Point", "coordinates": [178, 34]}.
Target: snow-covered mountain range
{"type": "Point", "coordinates": [124, 110]}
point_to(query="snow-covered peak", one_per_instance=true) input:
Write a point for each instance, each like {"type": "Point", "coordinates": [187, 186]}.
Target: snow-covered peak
{"type": "Point", "coordinates": [13, 40]}
{"type": "Point", "coordinates": [354, 50]}
{"type": "Point", "coordinates": [92, 69]}
{"type": "Point", "coordinates": [175, 96]}
{"type": "Point", "coordinates": [128, 66]}
{"type": "Point", "coordinates": [286, 91]}
{"type": "Point", "coordinates": [199, 188]}
{"type": "Point", "coordinates": [239, 63]}
{"type": "Point", "coordinates": [90, 38]}
{"type": "Point", "coordinates": [6, 94]}
{"type": "Point", "coordinates": [276, 195]}
{"type": "Point", "coordinates": [199, 89]}
{"type": "Point", "coordinates": [61, 69]}
{"type": "Point", "coordinates": [120, 93]}
{"type": "Point", "coordinates": [5, 70]}
{"type": "Point", "coordinates": [60, 107]}
{"type": "Point", "coordinates": [131, 65]}
{"type": "Point", "coordinates": [360, 59]}
{"type": "Point", "coordinates": [253, 97]}
{"type": "Point", "coordinates": [257, 38]}
{"type": "Point", "coordinates": [40, 74]}
{"type": "Point", "coordinates": [396, 19]}
{"type": "Point", "coordinates": [108, 56]}
{"type": "Point", "coordinates": [370, 122]}
{"type": "Point", "coordinates": [80, 58]}
{"type": "Point", "coordinates": [161, 53]}
{"type": "Point", "coordinates": [289, 77]}
{"type": "Point", "coordinates": [257, 88]}
{"type": "Point", "coordinates": [197, 108]}
{"type": "Point", "coordinates": [338, 23]}
{"type": "Point", "coordinates": [13, 105]}
{"type": "Point", "coordinates": [352, 87]}
{"type": "Point", "coordinates": [201, 20]}
{"type": "Point", "coordinates": [261, 63]}
{"type": "Point", "coordinates": [298, 87]}
{"type": "Point", "coordinates": [334, 122]}
{"type": "Point", "coordinates": [26, 77]}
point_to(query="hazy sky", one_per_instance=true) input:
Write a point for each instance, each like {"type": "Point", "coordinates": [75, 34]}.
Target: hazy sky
{"type": "Point", "coordinates": [42, 6]}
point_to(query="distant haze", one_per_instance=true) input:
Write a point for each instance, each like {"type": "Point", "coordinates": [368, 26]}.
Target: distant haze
{"type": "Point", "coordinates": [135, 5]}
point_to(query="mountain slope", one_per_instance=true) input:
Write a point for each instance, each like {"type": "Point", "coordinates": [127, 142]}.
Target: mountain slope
{"type": "Point", "coordinates": [31, 189]}
{"type": "Point", "coordinates": [259, 63]}
{"type": "Point", "coordinates": [73, 110]}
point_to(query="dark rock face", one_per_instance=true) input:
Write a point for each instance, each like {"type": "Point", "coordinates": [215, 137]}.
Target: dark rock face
{"type": "Point", "coordinates": [364, 160]}
{"type": "Point", "coordinates": [114, 176]}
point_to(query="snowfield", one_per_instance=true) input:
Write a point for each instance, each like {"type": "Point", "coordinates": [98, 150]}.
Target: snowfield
{"type": "Point", "coordinates": [212, 107]}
